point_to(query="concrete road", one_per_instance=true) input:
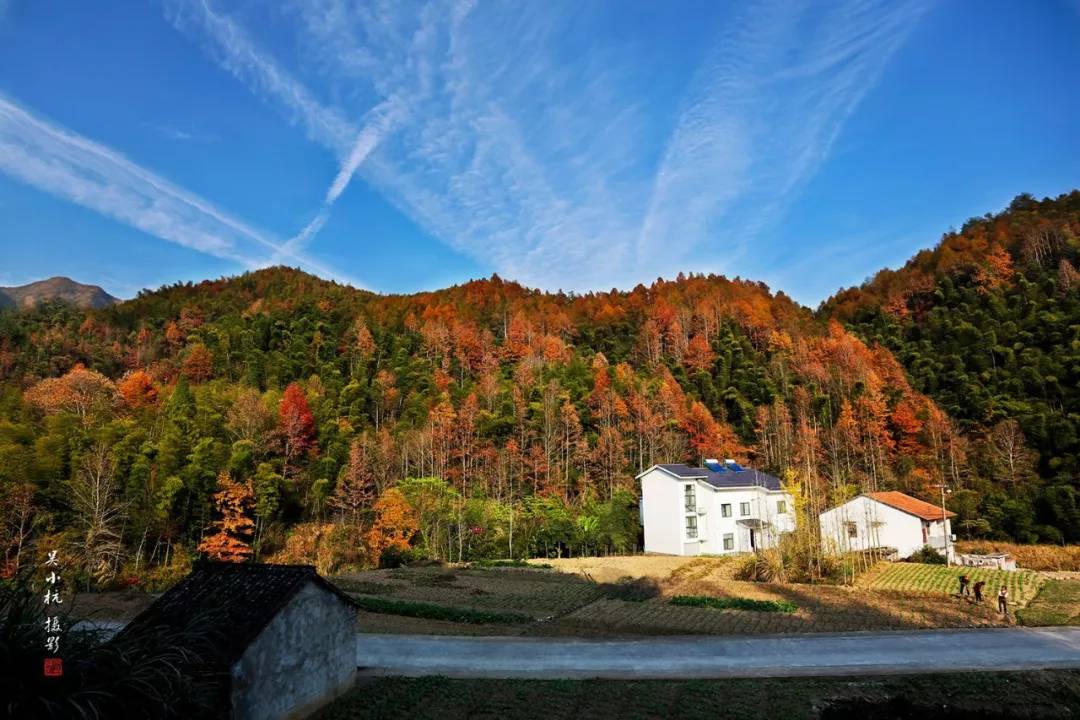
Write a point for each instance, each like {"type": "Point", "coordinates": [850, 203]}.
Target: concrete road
{"type": "Point", "coordinates": [715, 657]}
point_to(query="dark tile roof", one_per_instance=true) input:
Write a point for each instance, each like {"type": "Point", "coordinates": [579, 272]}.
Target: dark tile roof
{"type": "Point", "coordinates": [685, 471]}
{"type": "Point", "coordinates": [744, 477]}
{"type": "Point", "coordinates": [231, 601]}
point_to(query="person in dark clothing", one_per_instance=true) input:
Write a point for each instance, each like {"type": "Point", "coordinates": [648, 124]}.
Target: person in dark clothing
{"type": "Point", "coordinates": [1003, 601]}
{"type": "Point", "coordinates": [964, 581]}
{"type": "Point", "coordinates": [978, 591]}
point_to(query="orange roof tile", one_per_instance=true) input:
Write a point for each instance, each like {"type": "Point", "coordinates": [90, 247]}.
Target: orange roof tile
{"type": "Point", "coordinates": [913, 506]}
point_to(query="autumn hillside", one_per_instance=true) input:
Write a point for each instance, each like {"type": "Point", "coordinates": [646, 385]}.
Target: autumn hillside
{"type": "Point", "coordinates": [988, 324]}
{"type": "Point", "coordinates": [285, 416]}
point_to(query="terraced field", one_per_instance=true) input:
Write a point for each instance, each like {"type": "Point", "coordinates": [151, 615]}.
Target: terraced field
{"type": "Point", "coordinates": [538, 593]}
{"type": "Point", "coordinates": [569, 599]}
{"type": "Point", "coordinates": [941, 580]}
{"type": "Point", "coordinates": [631, 596]}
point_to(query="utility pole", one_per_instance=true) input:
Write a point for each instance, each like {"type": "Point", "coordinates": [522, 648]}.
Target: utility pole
{"type": "Point", "coordinates": [944, 527]}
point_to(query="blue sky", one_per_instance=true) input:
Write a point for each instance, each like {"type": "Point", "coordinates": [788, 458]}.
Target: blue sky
{"type": "Point", "coordinates": [402, 146]}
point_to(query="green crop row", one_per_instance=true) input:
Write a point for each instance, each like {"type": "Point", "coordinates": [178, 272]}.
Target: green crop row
{"type": "Point", "coordinates": [734, 603]}
{"type": "Point", "coordinates": [439, 612]}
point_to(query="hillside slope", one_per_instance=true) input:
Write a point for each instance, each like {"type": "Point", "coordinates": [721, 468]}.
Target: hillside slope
{"type": "Point", "coordinates": [988, 324]}
{"type": "Point", "coordinates": [330, 425]}
{"type": "Point", "coordinates": [532, 410]}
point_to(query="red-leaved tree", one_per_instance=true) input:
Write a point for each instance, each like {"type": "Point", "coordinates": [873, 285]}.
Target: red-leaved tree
{"type": "Point", "coordinates": [297, 426]}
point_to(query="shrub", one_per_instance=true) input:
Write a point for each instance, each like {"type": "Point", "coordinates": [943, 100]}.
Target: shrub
{"type": "Point", "coordinates": [158, 578]}
{"type": "Point", "coordinates": [789, 562]}
{"type": "Point", "coordinates": [926, 555]}
{"type": "Point", "coordinates": [734, 603]}
{"type": "Point", "coordinates": [762, 567]}
{"type": "Point", "coordinates": [324, 545]}
{"type": "Point", "coordinates": [395, 556]}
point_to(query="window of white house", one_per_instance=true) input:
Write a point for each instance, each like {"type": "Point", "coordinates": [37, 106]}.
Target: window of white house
{"type": "Point", "coordinates": [729, 541]}
{"type": "Point", "coordinates": [744, 509]}
{"type": "Point", "coordinates": [781, 507]}
{"type": "Point", "coordinates": [691, 526]}
{"type": "Point", "coordinates": [852, 529]}
{"type": "Point", "coordinates": [691, 500]}
{"type": "Point", "coordinates": [725, 509]}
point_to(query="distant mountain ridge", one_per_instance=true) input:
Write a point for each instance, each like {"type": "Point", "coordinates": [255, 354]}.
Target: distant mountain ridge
{"type": "Point", "coordinates": [56, 288]}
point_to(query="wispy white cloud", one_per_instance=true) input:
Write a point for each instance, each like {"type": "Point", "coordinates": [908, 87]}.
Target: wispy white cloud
{"type": "Point", "coordinates": [500, 153]}
{"type": "Point", "coordinates": [229, 44]}
{"type": "Point", "coordinates": [762, 115]}
{"type": "Point", "coordinates": [62, 163]}
{"type": "Point", "coordinates": [565, 172]}
{"type": "Point", "coordinates": [181, 134]}
{"type": "Point", "coordinates": [376, 126]}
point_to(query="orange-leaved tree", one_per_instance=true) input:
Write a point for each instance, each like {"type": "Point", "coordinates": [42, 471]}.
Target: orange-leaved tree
{"type": "Point", "coordinates": [198, 365]}
{"type": "Point", "coordinates": [234, 531]}
{"type": "Point", "coordinates": [395, 524]}
{"type": "Point", "coordinates": [699, 355]}
{"type": "Point", "coordinates": [80, 391]}
{"type": "Point", "coordinates": [138, 390]}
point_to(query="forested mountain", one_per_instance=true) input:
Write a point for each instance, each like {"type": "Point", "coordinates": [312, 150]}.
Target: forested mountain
{"type": "Point", "coordinates": [279, 414]}
{"type": "Point", "coordinates": [55, 288]}
{"type": "Point", "coordinates": [988, 324]}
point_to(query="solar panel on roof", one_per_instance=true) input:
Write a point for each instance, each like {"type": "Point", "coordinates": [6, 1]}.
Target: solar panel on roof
{"type": "Point", "coordinates": [714, 465]}
{"type": "Point", "coordinates": [734, 466]}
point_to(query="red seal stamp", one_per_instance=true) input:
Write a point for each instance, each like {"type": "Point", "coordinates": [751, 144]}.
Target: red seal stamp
{"type": "Point", "coordinates": [54, 667]}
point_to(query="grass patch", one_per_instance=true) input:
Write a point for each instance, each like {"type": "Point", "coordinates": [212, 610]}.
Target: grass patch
{"type": "Point", "coordinates": [429, 611]}
{"type": "Point", "coordinates": [1058, 603]}
{"type": "Point", "coordinates": [734, 603]}
{"type": "Point", "coordinates": [1045, 694]}
{"type": "Point", "coordinates": [488, 564]}
{"type": "Point", "coordinates": [939, 579]}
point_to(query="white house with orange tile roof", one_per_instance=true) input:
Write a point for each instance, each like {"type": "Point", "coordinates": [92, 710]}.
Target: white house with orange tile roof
{"type": "Point", "coordinates": [887, 520]}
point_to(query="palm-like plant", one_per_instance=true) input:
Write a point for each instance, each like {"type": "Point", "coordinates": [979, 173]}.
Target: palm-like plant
{"type": "Point", "coordinates": [163, 673]}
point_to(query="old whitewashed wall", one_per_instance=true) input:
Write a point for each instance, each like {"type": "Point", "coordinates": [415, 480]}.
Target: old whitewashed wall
{"type": "Point", "coordinates": [303, 659]}
{"type": "Point", "coordinates": [876, 525]}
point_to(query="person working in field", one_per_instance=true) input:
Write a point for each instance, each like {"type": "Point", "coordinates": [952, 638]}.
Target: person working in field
{"type": "Point", "coordinates": [964, 584]}
{"type": "Point", "coordinates": [1003, 601]}
{"type": "Point", "coordinates": [978, 587]}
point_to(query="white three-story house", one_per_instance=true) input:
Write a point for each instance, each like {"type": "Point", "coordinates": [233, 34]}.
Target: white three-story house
{"type": "Point", "coordinates": [720, 508]}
